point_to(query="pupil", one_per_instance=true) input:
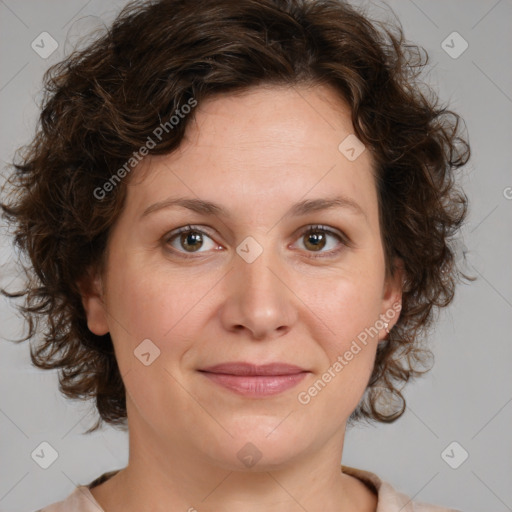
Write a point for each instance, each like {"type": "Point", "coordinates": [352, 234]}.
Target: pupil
{"type": "Point", "coordinates": [318, 238]}
{"type": "Point", "coordinates": [190, 236]}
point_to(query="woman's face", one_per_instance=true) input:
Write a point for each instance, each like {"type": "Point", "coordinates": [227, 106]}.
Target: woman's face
{"type": "Point", "coordinates": [248, 284]}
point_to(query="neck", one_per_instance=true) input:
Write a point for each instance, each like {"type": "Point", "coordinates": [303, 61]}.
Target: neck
{"type": "Point", "coordinates": [163, 475]}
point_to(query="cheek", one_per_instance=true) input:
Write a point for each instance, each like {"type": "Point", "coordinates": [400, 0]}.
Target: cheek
{"type": "Point", "coordinates": [151, 301]}
{"type": "Point", "coordinates": [347, 318]}
{"type": "Point", "coordinates": [145, 304]}
{"type": "Point", "coordinates": [151, 328]}
{"type": "Point", "coordinates": [349, 351]}
{"type": "Point", "coordinates": [348, 305]}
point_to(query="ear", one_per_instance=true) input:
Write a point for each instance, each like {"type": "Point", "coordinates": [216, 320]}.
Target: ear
{"type": "Point", "coordinates": [392, 295]}
{"type": "Point", "coordinates": [91, 291]}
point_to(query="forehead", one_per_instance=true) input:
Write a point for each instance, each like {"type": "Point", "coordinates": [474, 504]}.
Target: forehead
{"type": "Point", "coordinates": [266, 142]}
{"type": "Point", "coordinates": [285, 112]}
{"type": "Point", "coordinates": [294, 118]}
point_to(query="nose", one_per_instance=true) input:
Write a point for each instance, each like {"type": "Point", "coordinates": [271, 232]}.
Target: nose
{"type": "Point", "coordinates": [259, 300]}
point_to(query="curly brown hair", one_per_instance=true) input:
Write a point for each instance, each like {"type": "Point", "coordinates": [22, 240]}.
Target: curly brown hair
{"type": "Point", "coordinates": [103, 102]}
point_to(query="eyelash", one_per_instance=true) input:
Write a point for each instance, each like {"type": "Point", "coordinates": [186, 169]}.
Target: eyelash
{"type": "Point", "coordinates": [310, 230]}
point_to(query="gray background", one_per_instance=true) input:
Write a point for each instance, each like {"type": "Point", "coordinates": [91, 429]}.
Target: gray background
{"type": "Point", "coordinates": [466, 397]}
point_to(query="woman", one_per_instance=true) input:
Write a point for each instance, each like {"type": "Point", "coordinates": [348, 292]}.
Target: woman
{"type": "Point", "coordinates": [238, 215]}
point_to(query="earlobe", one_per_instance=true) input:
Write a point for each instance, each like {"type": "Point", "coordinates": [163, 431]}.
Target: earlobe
{"type": "Point", "coordinates": [91, 290]}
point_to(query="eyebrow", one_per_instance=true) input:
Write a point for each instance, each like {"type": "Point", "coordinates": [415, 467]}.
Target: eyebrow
{"type": "Point", "coordinates": [304, 207]}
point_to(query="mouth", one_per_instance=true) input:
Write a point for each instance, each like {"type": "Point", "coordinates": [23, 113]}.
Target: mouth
{"type": "Point", "coordinates": [255, 380]}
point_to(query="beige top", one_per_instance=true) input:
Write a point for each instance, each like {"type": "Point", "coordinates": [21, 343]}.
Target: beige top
{"type": "Point", "coordinates": [389, 500]}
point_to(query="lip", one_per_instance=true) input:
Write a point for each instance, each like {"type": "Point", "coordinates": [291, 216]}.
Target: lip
{"type": "Point", "coordinates": [243, 368]}
{"type": "Point", "coordinates": [255, 380]}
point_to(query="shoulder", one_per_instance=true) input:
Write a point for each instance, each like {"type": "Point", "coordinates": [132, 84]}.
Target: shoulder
{"type": "Point", "coordinates": [81, 499]}
{"type": "Point", "coordinates": [388, 498]}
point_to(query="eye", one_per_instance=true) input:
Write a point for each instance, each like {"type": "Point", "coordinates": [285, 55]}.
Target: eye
{"type": "Point", "coordinates": [316, 238]}
{"type": "Point", "coordinates": [188, 237]}
{"type": "Point", "coordinates": [191, 239]}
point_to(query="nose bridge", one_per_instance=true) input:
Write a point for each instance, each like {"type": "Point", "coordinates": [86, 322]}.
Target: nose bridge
{"type": "Point", "coordinates": [259, 275]}
{"type": "Point", "coordinates": [257, 297]}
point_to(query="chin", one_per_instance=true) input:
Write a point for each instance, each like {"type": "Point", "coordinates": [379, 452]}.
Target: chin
{"type": "Point", "coordinates": [261, 447]}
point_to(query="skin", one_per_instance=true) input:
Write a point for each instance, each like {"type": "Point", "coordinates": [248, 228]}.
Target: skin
{"type": "Point", "coordinates": [255, 153]}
